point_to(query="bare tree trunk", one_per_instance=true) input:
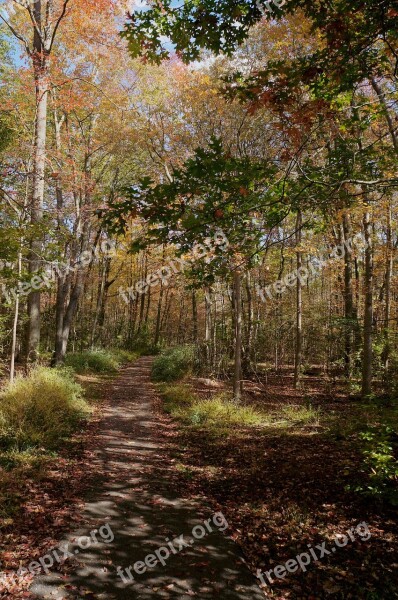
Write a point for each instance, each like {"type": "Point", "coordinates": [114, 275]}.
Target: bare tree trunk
{"type": "Point", "coordinates": [299, 306]}
{"type": "Point", "coordinates": [247, 355]}
{"type": "Point", "coordinates": [62, 291]}
{"type": "Point", "coordinates": [180, 328]}
{"type": "Point", "coordinates": [159, 308]}
{"type": "Point", "coordinates": [15, 324]}
{"type": "Point", "coordinates": [158, 316]}
{"type": "Point", "coordinates": [214, 335]}
{"type": "Point", "coordinates": [164, 324]}
{"type": "Point", "coordinates": [103, 288]}
{"type": "Point", "coordinates": [368, 310]}
{"type": "Point", "coordinates": [132, 307]}
{"type": "Point", "coordinates": [62, 287]}
{"type": "Point", "coordinates": [350, 313]}
{"type": "Point", "coordinates": [148, 305]}
{"type": "Point", "coordinates": [194, 318]}
{"type": "Point", "coordinates": [71, 311]}
{"type": "Point", "coordinates": [279, 315]}
{"type": "Point", "coordinates": [237, 382]}
{"type": "Point", "coordinates": [208, 326]}
{"type": "Point", "coordinates": [142, 300]}
{"type": "Point", "coordinates": [40, 66]}
{"type": "Point", "coordinates": [387, 306]}
{"type": "Point", "coordinates": [102, 313]}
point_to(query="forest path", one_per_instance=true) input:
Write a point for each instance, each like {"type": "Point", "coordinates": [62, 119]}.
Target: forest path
{"type": "Point", "coordinates": [133, 494]}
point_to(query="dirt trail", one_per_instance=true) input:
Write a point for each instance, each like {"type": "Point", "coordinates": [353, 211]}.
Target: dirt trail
{"type": "Point", "coordinates": [133, 494]}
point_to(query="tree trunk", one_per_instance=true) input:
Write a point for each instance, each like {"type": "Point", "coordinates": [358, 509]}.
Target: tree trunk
{"type": "Point", "coordinates": [279, 315]}
{"type": "Point", "coordinates": [142, 298]}
{"type": "Point", "coordinates": [194, 318]}
{"type": "Point", "coordinates": [299, 306]}
{"type": "Point", "coordinates": [148, 305]}
{"type": "Point", "coordinates": [350, 313]}
{"type": "Point", "coordinates": [132, 306]}
{"type": "Point", "coordinates": [15, 325]}
{"type": "Point", "coordinates": [387, 306]}
{"type": "Point", "coordinates": [247, 356]}
{"type": "Point", "coordinates": [40, 66]}
{"type": "Point", "coordinates": [62, 292]}
{"type": "Point", "coordinates": [62, 286]}
{"type": "Point", "coordinates": [103, 288]}
{"type": "Point", "coordinates": [208, 326]}
{"type": "Point", "coordinates": [237, 382]}
{"type": "Point", "coordinates": [368, 310]}
{"type": "Point", "coordinates": [158, 316]}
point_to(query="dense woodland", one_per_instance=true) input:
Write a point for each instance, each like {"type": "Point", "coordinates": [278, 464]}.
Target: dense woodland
{"type": "Point", "coordinates": [215, 184]}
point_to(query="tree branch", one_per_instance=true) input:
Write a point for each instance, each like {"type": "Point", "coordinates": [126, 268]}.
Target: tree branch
{"type": "Point", "coordinates": [65, 5]}
{"type": "Point", "coordinates": [17, 35]}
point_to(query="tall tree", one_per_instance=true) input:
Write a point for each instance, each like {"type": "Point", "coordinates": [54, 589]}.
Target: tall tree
{"type": "Point", "coordinates": [45, 18]}
{"type": "Point", "coordinates": [213, 190]}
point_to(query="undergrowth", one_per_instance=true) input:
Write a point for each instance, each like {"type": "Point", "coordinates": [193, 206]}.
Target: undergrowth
{"type": "Point", "coordinates": [379, 447]}
{"type": "Point", "coordinates": [99, 361]}
{"type": "Point", "coordinates": [173, 364]}
{"type": "Point", "coordinates": [220, 412]}
{"type": "Point", "coordinates": [41, 409]}
{"type": "Point", "coordinates": [216, 412]}
{"type": "Point", "coordinates": [39, 414]}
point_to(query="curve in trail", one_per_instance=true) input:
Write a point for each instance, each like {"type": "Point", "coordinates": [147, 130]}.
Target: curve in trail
{"type": "Point", "coordinates": [133, 499]}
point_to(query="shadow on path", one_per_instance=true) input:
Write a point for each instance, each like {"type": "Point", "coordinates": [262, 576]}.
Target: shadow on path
{"type": "Point", "coordinates": [134, 500]}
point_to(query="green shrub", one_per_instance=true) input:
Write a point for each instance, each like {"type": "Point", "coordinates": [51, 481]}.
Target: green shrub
{"type": "Point", "coordinates": [173, 364]}
{"type": "Point", "coordinates": [294, 413]}
{"type": "Point", "coordinates": [124, 356]}
{"type": "Point", "coordinates": [30, 457]}
{"type": "Point", "coordinates": [93, 361]}
{"type": "Point", "coordinates": [142, 342]}
{"type": "Point", "coordinates": [380, 452]}
{"type": "Point", "coordinates": [217, 412]}
{"type": "Point", "coordinates": [220, 411]}
{"type": "Point", "coordinates": [177, 397]}
{"type": "Point", "coordinates": [41, 410]}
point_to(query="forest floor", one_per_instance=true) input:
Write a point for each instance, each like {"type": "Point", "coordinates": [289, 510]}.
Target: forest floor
{"type": "Point", "coordinates": [283, 488]}
{"type": "Point", "coordinates": [40, 499]}
{"type": "Point", "coordinates": [144, 477]}
{"type": "Point", "coordinates": [134, 509]}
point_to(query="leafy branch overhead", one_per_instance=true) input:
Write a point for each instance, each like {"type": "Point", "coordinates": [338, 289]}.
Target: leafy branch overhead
{"type": "Point", "coordinates": [353, 32]}
{"type": "Point", "coordinates": [213, 190]}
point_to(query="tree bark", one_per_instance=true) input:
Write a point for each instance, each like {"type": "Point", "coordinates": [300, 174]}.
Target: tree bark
{"type": "Point", "coordinates": [237, 382]}
{"type": "Point", "coordinates": [350, 312]}
{"type": "Point", "coordinates": [62, 286]}
{"type": "Point", "coordinates": [387, 286]}
{"type": "Point", "coordinates": [158, 316]}
{"type": "Point", "coordinates": [194, 318]}
{"type": "Point", "coordinates": [41, 73]}
{"type": "Point", "coordinates": [103, 289]}
{"type": "Point", "coordinates": [368, 310]}
{"type": "Point", "coordinates": [247, 355]}
{"type": "Point", "coordinates": [15, 325]}
{"type": "Point", "coordinates": [299, 305]}
{"type": "Point", "coordinates": [208, 326]}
